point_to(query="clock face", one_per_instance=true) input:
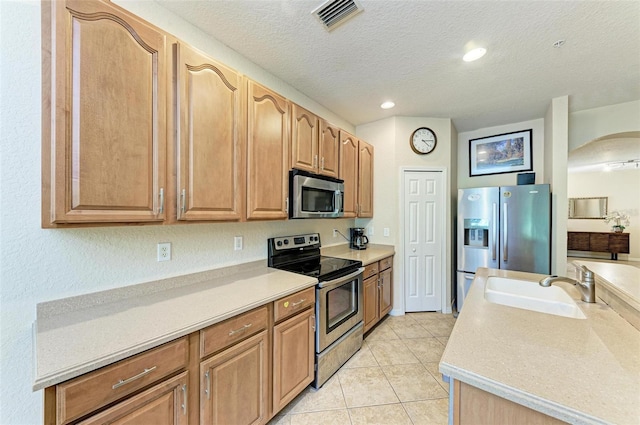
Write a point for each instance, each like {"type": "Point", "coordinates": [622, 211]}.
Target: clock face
{"type": "Point", "coordinates": [423, 141]}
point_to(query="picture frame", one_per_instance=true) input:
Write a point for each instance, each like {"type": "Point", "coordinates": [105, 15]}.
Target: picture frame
{"type": "Point", "coordinates": [500, 154]}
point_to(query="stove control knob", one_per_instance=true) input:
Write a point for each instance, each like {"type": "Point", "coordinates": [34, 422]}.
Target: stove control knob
{"type": "Point", "coordinates": [279, 243]}
{"type": "Point", "coordinates": [286, 241]}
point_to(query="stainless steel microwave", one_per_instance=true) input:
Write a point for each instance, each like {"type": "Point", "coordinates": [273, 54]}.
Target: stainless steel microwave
{"type": "Point", "coordinates": [315, 196]}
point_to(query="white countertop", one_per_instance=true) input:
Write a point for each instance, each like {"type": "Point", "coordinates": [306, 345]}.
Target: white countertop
{"type": "Point", "coordinates": [579, 371]}
{"type": "Point", "coordinates": [77, 335]}
{"type": "Point", "coordinates": [373, 253]}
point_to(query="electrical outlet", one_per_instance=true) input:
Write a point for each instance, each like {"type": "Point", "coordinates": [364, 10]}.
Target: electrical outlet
{"type": "Point", "coordinates": [237, 243]}
{"type": "Point", "coordinates": [386, 231]}
{"type": "Point", "coordinates": [164, 251]}
{"type": "Point", "coordinates": [335, 233]}
{"type": "Point", "coordinates": [371, 231]}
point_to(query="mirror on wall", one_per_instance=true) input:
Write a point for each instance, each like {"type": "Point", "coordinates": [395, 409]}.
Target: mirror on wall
{"type": "Point", "coordinates": [595, 208]}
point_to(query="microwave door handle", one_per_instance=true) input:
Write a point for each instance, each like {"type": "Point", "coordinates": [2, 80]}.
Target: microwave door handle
{"type": "Point", "coordinates": [337, 201]}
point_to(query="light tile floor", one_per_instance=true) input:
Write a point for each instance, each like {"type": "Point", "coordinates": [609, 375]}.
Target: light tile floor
{"type": "Point", "coordinates": [392, 380]}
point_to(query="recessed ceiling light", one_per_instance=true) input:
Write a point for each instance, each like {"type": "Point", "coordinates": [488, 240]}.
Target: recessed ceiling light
{"type": "Point", "coordinates": [474, 54]}
{"type": "Point", "coordinates": [387, 105]}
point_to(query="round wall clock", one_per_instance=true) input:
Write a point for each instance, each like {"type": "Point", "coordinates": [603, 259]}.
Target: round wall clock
{"type": "Point", "coordinates": [423, 141]}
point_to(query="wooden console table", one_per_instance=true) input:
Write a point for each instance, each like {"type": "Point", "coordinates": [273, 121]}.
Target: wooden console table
{"type": "Point", "coordinates": [615, 243]}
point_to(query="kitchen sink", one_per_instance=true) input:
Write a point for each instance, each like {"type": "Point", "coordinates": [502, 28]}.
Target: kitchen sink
{"type": "Point", "coordinates": [529, 295]}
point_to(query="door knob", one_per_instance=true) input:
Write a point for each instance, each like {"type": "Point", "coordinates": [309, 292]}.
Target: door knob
{"type": "Point", "coordinates": [414, 250]}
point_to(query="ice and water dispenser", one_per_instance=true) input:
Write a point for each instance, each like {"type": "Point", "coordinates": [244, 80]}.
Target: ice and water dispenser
{"type": "Point", "coordinates": [476, 233]}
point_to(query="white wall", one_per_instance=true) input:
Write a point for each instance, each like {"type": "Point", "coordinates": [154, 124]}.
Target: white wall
{"type": "Point", "coordinates": [465, 181]}
{"type": "Point", "coordinates": [597, 122]}
{"type": "Point", "coordinates": [623, 190]}
{"type": "Point", "coordinates": [390, 137]}
{"type": "Point", "coordinates": [39, 265]}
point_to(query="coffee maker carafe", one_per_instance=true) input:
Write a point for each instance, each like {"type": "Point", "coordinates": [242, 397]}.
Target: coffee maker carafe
{"type": "Point", "coordinates": [357, 238]}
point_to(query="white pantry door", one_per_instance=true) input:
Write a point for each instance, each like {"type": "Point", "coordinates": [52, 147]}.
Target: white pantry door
{"type": "Point", "coordinates": [424, 230]}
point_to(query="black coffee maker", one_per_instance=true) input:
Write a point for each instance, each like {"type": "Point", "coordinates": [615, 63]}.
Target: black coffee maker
{"type": "Point", "coordinates": [357, 238]}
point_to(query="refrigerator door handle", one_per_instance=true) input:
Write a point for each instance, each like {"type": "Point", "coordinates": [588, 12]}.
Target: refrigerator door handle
{"type": "Point", "coordinates": [505, 251]}
{"type": "Point", "coordinates": [494, 229]}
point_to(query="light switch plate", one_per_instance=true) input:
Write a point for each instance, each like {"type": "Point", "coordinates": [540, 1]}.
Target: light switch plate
{"type": "Point", "coordinates": [386, 231]}
{"type": "Point", "coordinates": [237, 243]}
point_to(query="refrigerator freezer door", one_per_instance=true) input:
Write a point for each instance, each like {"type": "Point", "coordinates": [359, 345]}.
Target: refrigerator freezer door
{"type": "Point", "coordinates": [478, 215]}
{"type": "Point", "coordinates": [464, 283]}
{"type": "Point", "coordinates": [525, 228]}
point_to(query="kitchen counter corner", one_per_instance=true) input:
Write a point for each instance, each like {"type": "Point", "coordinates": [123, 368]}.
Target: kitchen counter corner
{"type": "Point", "coordinates": [579, 371]}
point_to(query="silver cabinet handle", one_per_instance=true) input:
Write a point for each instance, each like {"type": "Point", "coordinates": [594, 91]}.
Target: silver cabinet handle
{"type": "Point", "coordinates": [322, 164]}
{"type": "Point", "coordinates": [207, 388]}
{"type": "Point", "coordinates": [286, 205]}
{"type": "Point", "coordinates": [183, 199]}
{"type": "Point", "coordinates": [242, 329]}
{"type": "Point", "coordinates": [315, 161]}
{"type": "Point", "coordinates": [133, 378]}
{"type": "Point", "coordinates": [184, 399]}
{"type": "Point", "coordinates": [161, 201]}
{"type": "Point", "coordinates": [294, 305]}
{"type": "Point", "coordinates": [313, 323]}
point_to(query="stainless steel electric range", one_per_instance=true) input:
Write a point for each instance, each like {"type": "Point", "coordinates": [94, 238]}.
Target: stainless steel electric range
{"type": "Point", "coordinates": [339, 299]}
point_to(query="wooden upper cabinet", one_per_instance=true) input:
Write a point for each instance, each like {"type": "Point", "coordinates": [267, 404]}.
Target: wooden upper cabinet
{"type": "Point", "coordinates": [268, 131]}
{"type": "Point", "coordinates": [349, 172]}
{"type": "Point", "coordinates": [104, 108]}
{"type": "Point", "coordinates": [304, 139]}
{"type": "Point", "coordinates": [365, 180]}
{"type": "Point", "coordinates": [328, 149]}
{"type": "Point", "coordinates": [210, 142]}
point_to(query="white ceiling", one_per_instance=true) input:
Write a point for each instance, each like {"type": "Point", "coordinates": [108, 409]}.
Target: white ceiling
{"type": "Point", "coordinates": [599, 154]}
{"type": "Point", "coordinates": [409, 51]}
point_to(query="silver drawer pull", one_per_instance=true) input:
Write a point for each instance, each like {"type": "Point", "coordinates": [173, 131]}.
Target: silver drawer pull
{"type": "Point", "coordinates": [133, 378]}
{"type": "Point", "coordinates": [294, 305]}
{"type": "Point", "coordinates": [244, 328]}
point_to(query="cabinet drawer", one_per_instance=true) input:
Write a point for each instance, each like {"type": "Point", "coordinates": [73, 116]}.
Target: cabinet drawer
{"type": "Point", "coordinates": [294, 303]}
{"type": "Point", "coordinates": [385, 263]}
{"type": "Point", "coordinates": [83, 395]}
{"type": "Point", "coordinates": [370, 270]}
{"type": "Point", "coordinates": [223, 334]}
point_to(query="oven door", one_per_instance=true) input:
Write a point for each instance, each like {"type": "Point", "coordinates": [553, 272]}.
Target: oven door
{"type": "Point", "coordinates": [338, 308]}
{"type": "Point", "coordinates": [314, 197]}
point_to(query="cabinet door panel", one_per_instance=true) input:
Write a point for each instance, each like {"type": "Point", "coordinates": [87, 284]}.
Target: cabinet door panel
{"type": "Point", "coordinates": [293, 353]}
{"type": "Point", "coordinates": [370, 289]}
{"type": "Point", "coordinates": [267, 141]}
{"type": "Point", "coordinates": [365, 180]}
{"type": "Point", "coordinates": [304, 139]}
{"type": "Point", "coordinates": [210, 172]}
{"type": "Point", "coordinates": [108, 123]}
{"type": "Point", "coordinates": [385, 291]}
{"type": "Point", "coordinates": [235, 384]}
{"type": "Point", "coordinates": [329, 149]}
{"type": "Point", "coordinates": [163, 404]}
{"type": "Point", "coordinates": [349, 172]}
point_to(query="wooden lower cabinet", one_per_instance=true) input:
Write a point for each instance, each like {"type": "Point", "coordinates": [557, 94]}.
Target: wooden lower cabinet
{"type": "Point", "coordinates": [234, 384]}
{"type": "Point", "coordinates": [163, 404]}
{"type": "Point", "coordinates": [472, 405]}
{"type": "Point", "coordinates": [378, 291]}
{"type": "Point", "coordinates": [293, 356]}
{"type": "Point", "coordinates": [241, 371]}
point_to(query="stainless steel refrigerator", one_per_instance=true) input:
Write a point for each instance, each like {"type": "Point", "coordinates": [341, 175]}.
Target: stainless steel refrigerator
{"type": "Point", "coordinates": [507, 227]}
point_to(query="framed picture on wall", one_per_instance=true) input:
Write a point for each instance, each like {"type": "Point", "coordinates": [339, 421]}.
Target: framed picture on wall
{"type": "Point", "coordinates": [503, 153]}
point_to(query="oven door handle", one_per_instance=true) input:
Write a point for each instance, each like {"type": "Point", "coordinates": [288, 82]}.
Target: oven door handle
{"type": "Point", "coordinates": [340, 279]}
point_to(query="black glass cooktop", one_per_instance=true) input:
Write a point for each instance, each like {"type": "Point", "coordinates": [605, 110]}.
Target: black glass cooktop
{"type": "Point", "coordinates": [324, 268]}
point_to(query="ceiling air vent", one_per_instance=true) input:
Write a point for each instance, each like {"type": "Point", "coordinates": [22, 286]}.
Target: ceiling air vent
{"type": "Point", "coordinates": [333, 13]}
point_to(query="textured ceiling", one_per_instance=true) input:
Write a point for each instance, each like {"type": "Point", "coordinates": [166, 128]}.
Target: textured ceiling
{"type": "Point", "coordinates": [595, 155]}
{"type": "Point", "coordinates": [410, 51]}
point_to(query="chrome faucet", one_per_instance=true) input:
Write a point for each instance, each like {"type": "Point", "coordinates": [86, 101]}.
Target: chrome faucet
{"type": "Point", "coordinates": [586, 284]}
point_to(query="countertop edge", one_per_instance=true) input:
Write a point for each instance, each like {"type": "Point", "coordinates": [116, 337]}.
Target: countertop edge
{"type": "Point", "coordinates": [73, 371]}
{"type": "Point", "coordinates": [538, 404]}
